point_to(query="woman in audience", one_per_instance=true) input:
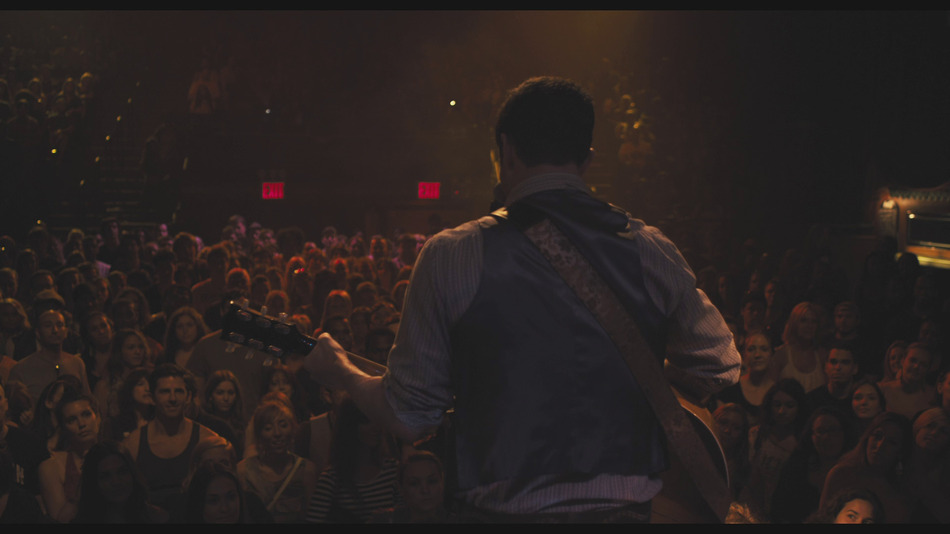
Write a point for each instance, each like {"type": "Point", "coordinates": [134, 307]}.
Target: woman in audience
{"type": "Point", "coordinates": [45, 423]}
{"type": "Point", "coordinates": [927, 473]}
{"type": "Point", "coordinates": [867, 401]}
{"type": "Point", "coordinates": [757, 379]}
{"type": "Point", "coordinates": [60, 473]}
{"type": "Point", "coordinates": [856, 506]}
{"type": "Point", "coordinates": [732, 430]}
{"type": "Point", "coordinates": [136, 405]}
{"type": "Point", "coordinates": [222, 399]}
{"type": "Point", "coordinates": [97, 333]}
{"type": "Point", "coordinates": [113, 490]}
{"type": "Point", "coordinates": [801, 357]}
{"type": "Point", "coordinates": [772, 442]}
{"type": "Point", "coordinates": [282, 480]}
{"type": "Point", "coordinates": [875, 464]}
{"type": "Point", "coordinates": [129, 352]}
{"type": "Point", "coordinates": [362, 477]}
{"type": "Point", "coordinates": [185, 328]}
{"type": "Point", "coordinates": [422, 487]}
{"type": "Point", "coordinates": [279, 378]}
{"type": "Point", "coordinates": [825, 438]}
{"type": "Point", "coordinates": [214, 496]}
{"type": "Point", "coordinates": [14, 328]}
{"type": "Point", "coordinates": [893, 357]}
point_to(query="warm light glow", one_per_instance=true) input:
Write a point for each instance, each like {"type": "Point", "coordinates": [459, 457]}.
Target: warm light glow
{"type": "Point", "coordinates": [911, 216]}
{"type": "Point", "coordinates": [451, 102]}
{"type": "Point", "coordinates": [108, 137]}
{"type": "Point", "coordinates": [267, 111]}
{"type": "Point", "coordinates": [53, 151]}
{"type": "Point", "coordinates": [118, 119]}
{"type": "Point", "coordinates": [888, 204]}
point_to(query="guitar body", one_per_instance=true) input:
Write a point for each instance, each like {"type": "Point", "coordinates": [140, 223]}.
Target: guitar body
{"type": "Point", "coordinates": [680, 501]}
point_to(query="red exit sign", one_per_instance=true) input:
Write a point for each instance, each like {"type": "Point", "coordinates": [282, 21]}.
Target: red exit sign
{"type": "Point", "coordinates": [429, 189]}
{"type": "Point", "coordinates": [271, 190]}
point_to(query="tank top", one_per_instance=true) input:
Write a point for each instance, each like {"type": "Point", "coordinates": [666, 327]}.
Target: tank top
{"type": "Point", "coordinates": [164, 475]}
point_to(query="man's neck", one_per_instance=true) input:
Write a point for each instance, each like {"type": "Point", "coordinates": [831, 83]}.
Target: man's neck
{"type": "Point", "coordinates": [54, 354]}
{"type": "Point", "coordinates": [839, 390]}
{"type": "Point", "coordinates": [910, 387]}
{"type": "Point", "coordinates": [170, 426]}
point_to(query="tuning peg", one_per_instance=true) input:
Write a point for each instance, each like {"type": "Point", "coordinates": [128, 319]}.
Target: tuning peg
{"type": "Point", "coordinates": [283, 317]}
{"type": "Point", "coordinates": [235, 337]}
{"type": "Point", "coordinates": [263, 310]}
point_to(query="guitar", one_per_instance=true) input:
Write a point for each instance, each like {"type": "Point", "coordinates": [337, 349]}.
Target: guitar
{"type": "Point", "coordinates": [678, 502]}
{"type": "Point", "coordinates": [277, 337]}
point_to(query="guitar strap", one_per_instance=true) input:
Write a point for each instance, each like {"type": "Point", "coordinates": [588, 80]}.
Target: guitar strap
{"type": "Point", "coordinates": [623, 330]}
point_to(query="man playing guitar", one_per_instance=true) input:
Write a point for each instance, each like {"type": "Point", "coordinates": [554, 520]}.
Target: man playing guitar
{"type": "Point", "coordinates": [550, 424]}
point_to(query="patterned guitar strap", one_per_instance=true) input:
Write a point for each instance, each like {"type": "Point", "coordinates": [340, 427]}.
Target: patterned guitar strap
{"type": "Point", "coordinates": [597, 296]}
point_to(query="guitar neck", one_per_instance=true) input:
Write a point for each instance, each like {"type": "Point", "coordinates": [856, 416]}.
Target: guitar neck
{"type": "Point", "coordinates": [278, 338]}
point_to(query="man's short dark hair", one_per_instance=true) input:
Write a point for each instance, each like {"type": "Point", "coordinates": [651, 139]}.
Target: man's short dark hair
{"type": "Point", "coordinates": [549, 121]}
{"type": "Point", "coordinates": [166, 370]}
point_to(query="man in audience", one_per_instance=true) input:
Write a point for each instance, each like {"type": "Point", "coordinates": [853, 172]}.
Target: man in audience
{"type": "Point", "coordinates": [50, 360]}
{"type": "Point", "coordinates": [909, 393]}
{"type": "Point", "coordinates": [162, 448]}
{"type": "Point", "coordinates": [840, 371]}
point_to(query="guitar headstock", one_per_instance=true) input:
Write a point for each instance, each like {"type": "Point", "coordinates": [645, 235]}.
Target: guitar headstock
{"type": "Point", "coordinates": [276, 336]}
{"type": "Point", "coordinates": [273, 335]}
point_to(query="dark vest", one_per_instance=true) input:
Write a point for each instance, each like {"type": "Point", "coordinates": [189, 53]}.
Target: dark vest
{"type": "Point", "coordinates": [540, 388]}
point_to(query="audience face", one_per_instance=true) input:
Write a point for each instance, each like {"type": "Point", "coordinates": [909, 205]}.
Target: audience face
{"type": "Point", "coordinates": [223, 397]}
{"type": "Point", "coordinates": [81, 423]}
{"type": "Point", "coordinates": [915, 366]}
{"type": "Point", "coordinates": [943, 388]}
{"type": "Point", "coordinates": [141, 393]}
{"type": "Point", "coordinates": [186, 330]}
{"type": "Point", "coordinates": [884, 446]}
{"type": "Point", "coordinates": [171, 396]}
{"type": "Point", "coordinates": [840, 367]}
{"type": "Point", "coordinates": [222, 501]}
{"type": "Point", "coordinates": [757, 352]}
{"type": "Point", "coordinates": [51, 330]}
{"type": "Point", "coordinates": [784, 409]}
{"type": "Point", "coordinates": [808, 326]}
{"type": "Point", "coordinates": [753, 315]}
{"type": "Point", "coordinates": [280, 382]}
{"type": "Point", "coordinates": [133, 352]}
{"type": "Point", "coordinates": [277, 435]}
{"type": "Point", "coordinates": [729, 429]}
{"type": "Point", "coordinates": [934, 436]}
{"type": "Point", "coordinates": [827, 436]}
{"type": "Point", "coordinates": [100, 331]}
{"type": "Point", "coordinates": [894, 359]}
{"type": "Point", "coordinates": [856, 512]}
{"type": "Point", "coordinates": [865, 402]}
{"type": "Point", "coordinates": [10, 319]}
{"type": "Point", "coordinates": [846, 321]}
{"type": "Point", "coordinates": [422, 487]}
{"type": "Point", "coordinates": [115, 480]}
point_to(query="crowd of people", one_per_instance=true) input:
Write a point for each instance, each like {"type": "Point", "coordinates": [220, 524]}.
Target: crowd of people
{"type": "Point", "coordinates": [121, 401]}
{"type": "Point", "coordinates": [113, 357]}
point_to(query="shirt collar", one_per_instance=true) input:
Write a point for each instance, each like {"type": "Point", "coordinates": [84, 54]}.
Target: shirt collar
{"type": "Point", "coordinates": [545, 182]}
